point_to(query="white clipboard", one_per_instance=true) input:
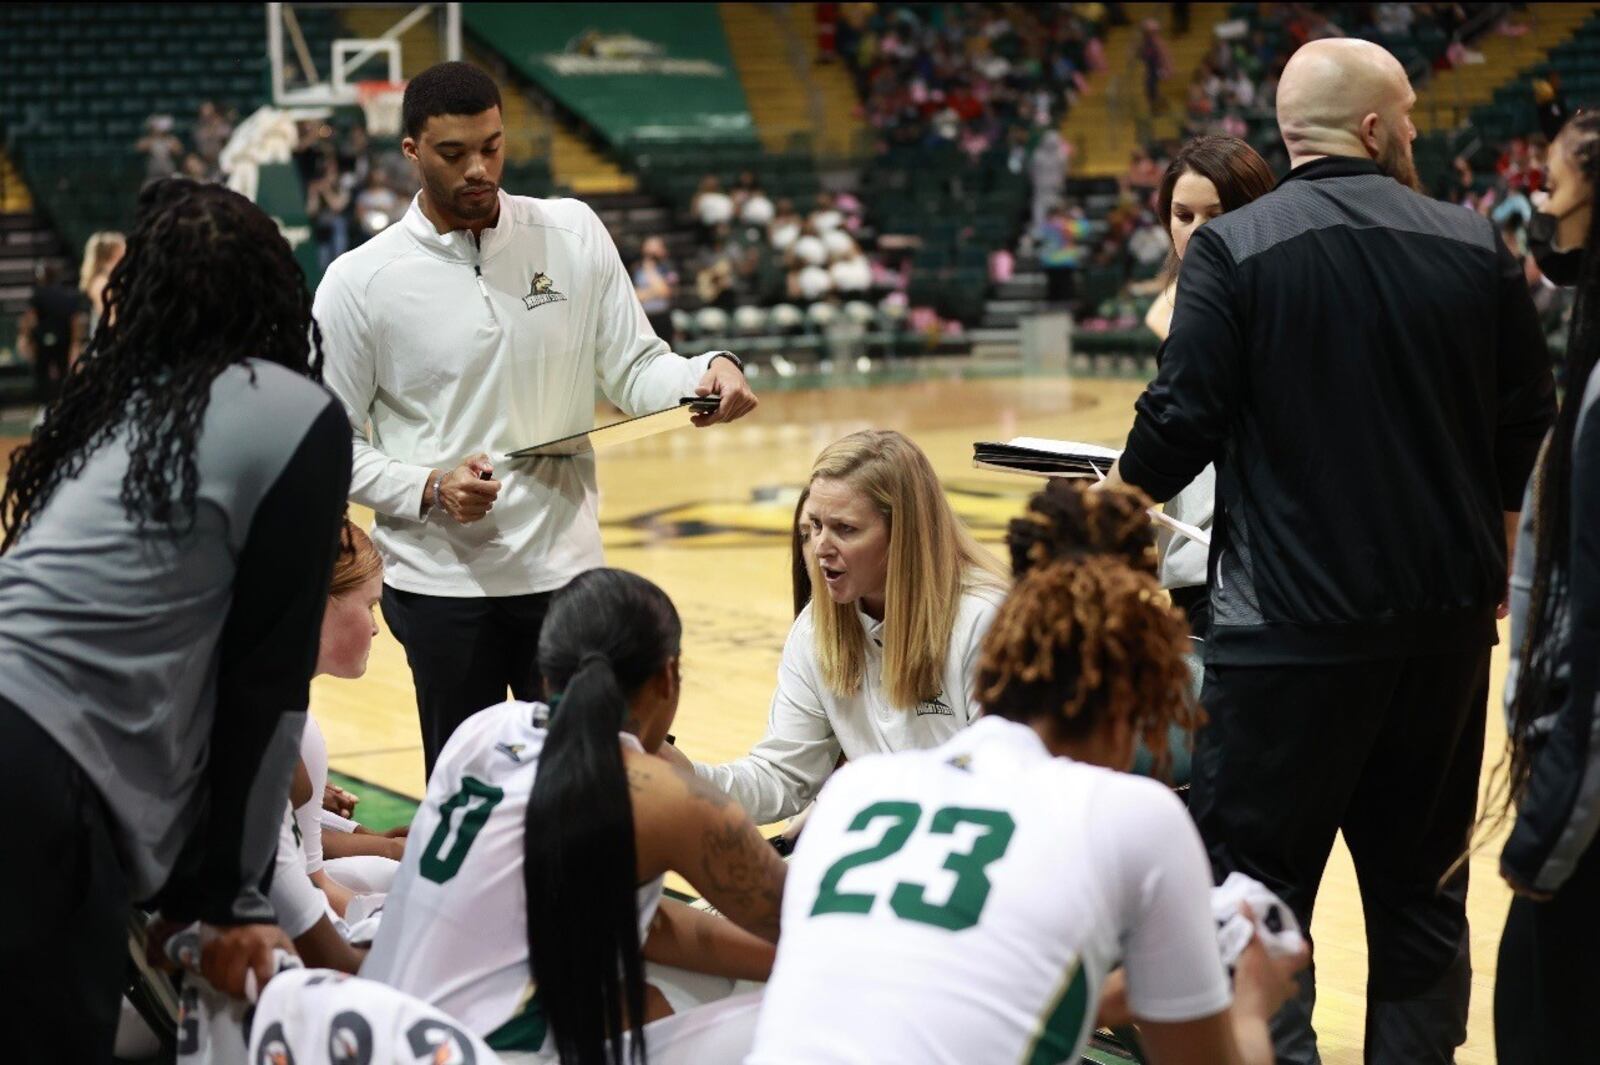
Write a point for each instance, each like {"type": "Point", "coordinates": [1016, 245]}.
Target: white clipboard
{"type": "Point", "coordinates": [1198, 535]}
{"type": "Point", "coordinates": [624, 432]}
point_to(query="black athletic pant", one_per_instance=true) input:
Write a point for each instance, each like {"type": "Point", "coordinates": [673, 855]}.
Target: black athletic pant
{"type": "Point", "coordinates": [64, 940]}
{"type": "Point", "coordinates": [1388, 752]}
{"type": "Point", "coordinates": [464, 654]}
{"type": "Point", "coordinates": [1548, 981]}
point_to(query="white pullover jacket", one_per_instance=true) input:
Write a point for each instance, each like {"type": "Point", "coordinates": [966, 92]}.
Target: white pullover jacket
{"type": "Point", "coordinates": [810, 724]}
{"type": "Point", "coordinates": [449, 348]}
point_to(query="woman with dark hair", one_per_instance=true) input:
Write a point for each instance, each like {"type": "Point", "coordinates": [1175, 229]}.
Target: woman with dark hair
{"type": "Point", "coordinates": [1546, 980]}
{"type": "Point", "coordinates": [169, 531]}
{"type": "Point", "coordinates": [968, 903]}
{"type": "Point", "coordinates": [1209, 176]}
{"type": "Point", "coordinates": [529, 899]}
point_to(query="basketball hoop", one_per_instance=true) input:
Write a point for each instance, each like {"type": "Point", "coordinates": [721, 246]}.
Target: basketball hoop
{"type": "Point", "coordinates": [381, 101]}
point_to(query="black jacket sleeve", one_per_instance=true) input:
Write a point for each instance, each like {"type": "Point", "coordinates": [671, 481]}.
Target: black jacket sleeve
{"type": "Point", "coordinates": [268, 653]}
{"type": "Point", "coordinates": [1559, 813]}
{"type": "Point", "coordinates": [1182, 418]}
{"type": "Point", "coordinates": [1526, 386]}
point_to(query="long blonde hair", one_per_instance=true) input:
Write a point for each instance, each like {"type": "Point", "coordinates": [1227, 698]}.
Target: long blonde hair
{"type": "Point", "coordinates": [96, 250]}
{"type": "Point", "coordinates": [932, 560]}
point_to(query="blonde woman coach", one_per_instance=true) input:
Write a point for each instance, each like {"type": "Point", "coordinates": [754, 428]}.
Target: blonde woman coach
{"type": "Point", "coordinates": [885, 660]}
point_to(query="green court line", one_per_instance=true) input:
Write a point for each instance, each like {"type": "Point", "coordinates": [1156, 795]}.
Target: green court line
{"type": "Point", "coordinates": [379, 809]}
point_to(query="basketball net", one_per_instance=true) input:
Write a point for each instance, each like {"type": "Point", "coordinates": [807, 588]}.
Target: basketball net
{"type": "Point", "coordinates": [381, 101]}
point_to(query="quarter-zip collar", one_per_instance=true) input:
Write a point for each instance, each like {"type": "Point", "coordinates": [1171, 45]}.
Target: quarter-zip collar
{"type": "Point", "coordinates": [458, 246]}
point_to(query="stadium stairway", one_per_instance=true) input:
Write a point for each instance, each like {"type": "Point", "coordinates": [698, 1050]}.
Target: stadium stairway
{"type": "Point", "coordinates": [780, 105]}
{"type": "Point", "coordinates": [1450, 96]}
{"type": "Point", "coordinates": [1111, 117]}
{"type": "Point", "coordinates": [14, 195]}
{"type": "Point", "coordinates": [842, 127]}
{"type": "Point", "coordinates": [531, 135]}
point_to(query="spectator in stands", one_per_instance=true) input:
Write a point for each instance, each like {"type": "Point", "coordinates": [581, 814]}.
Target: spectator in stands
{"type": "Point", "coordinates": [826, 216]}
{"type": "Point", "coordinates": [1047, 170]}
{"type": "Point", "coordinates": [160, 147]}
{"type": "Point", "coordinates": [1551, 105]}
{"type": "Point", "coordinates": [355, 155]}
{"type": "Point", "coordinates": [711, 206]}
{"type": "Point", "coordinates": [786, 226]}
{"type": "Point", "coordinates": [656, 284]}
{"type": "Point", "coordinates": [377, 206]}
{"type": "Point", "coordinates": [714, 284]}
{"type": "Point", "coordinates": [211, 133]}
{"type": "Point", "coordinates": [197, 169]}
{"type": "Point", "coordinates": [101, 253]}
{"type": "Point", "coordinates": [327, 204]}
{"type": "Point", "coordinates": [52, 330]}
{"type": "Point", "coordinates": [1144, 174]}
{"type": "Point", "coordinates": [849, 271]}
{"type": "Point", "coordinates": [1157, 63]}
{"type": "Point", "coordinates": [757, 208]}
{"type": "Point", "coordinates": [1061, 253]}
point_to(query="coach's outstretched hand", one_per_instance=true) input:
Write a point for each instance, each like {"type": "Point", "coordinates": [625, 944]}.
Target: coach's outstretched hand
{"type": "Point", "coordinates": [725, 379]}
{"type": "Point", "coordinates": [464, 493]}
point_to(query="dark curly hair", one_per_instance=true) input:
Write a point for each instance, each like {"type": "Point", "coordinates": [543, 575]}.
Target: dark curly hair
{"type": "Point", "coordinates": [207, 282]}
{"type": "Point", "coordinates": [1068, 519]}
{"type": "Point", "coordinates": [1086, 634]}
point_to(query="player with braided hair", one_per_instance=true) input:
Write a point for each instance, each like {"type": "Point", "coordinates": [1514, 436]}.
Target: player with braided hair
{"type": "Point", "coordinates": [1551, 768]}
{"type": "Point", "coordinates": [968, 903]}
{"type": "Point", "coordinates": [1068, 519]}
{"type": "Point", "coordinates": [169, 531]}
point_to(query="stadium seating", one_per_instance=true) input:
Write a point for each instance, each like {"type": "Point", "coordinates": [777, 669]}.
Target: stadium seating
{"type": "Point", "coordinates": [82, 79]}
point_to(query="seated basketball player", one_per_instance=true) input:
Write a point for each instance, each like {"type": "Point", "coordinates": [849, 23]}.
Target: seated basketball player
{"type": "Point", "coordinates": [343, 862]}
{"type": "Point", "coordinates": [884, 660]}
{"type": "Point", "coordinates": [529, 897]}
{"type": "Point", "coordinates": [312, 908]}
{"type": "Point", "coordinates": [966, 904]}
{"type": "Point", "coordinates": [1063, 520]}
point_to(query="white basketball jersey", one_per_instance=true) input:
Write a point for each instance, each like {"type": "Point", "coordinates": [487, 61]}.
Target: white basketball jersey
{"type": "Point", "coordinates": [965, 904]}
{"type": "Point", "coordinates": [322, 1017]}
{"type": "Point", "coordinates": [455, 931]}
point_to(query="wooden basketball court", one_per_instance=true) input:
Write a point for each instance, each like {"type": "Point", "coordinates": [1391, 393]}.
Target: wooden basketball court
{"type": "Point", "coordinates": [706, 515]}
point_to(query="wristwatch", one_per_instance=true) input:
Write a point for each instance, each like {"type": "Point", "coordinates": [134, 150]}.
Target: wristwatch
{"type": "Point", "coordinates": [730, 356]}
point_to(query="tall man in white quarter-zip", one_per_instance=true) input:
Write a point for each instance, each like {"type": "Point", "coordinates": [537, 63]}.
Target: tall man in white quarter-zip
{"type": "Point", "coordinates": [474, 326]}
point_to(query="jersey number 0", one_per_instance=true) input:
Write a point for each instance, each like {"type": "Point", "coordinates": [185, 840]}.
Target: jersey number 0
{"type": "Point", "coordinates": [447, 847]}
{"type": "Point", "coordinates": [909, 901]}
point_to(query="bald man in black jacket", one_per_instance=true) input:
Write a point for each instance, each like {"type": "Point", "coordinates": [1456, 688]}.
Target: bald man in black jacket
{"type": "Point", "coordinates": [1366, 369]}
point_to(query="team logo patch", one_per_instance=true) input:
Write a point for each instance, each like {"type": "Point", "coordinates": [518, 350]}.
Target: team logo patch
{"type": "Point", "coordinates": [512, 751]}
{"type": "Point", "coordinates": [935, 707]}
{"type": "Point", "coordinates": [541, 290]}
{"type": "Point", "coordinates": [962, 762]}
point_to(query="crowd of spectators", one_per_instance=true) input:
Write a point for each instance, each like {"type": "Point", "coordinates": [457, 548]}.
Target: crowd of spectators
{"type": "Point", "coordinates": [354, 189]}
{"type": "Point", "coordinates": [978, 76]}
{"type": "Point", "coordinates": [756, 249]}
{"type": "Point", "coordinates": [167, 155]}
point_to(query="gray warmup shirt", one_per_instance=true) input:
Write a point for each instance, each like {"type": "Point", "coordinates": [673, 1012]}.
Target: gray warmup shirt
{"type": "Point", "coordinates": [175, 671]}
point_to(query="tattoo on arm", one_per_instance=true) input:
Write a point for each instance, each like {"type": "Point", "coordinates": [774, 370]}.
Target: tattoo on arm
{"type": "Point", "coordinates": [743, 876]}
